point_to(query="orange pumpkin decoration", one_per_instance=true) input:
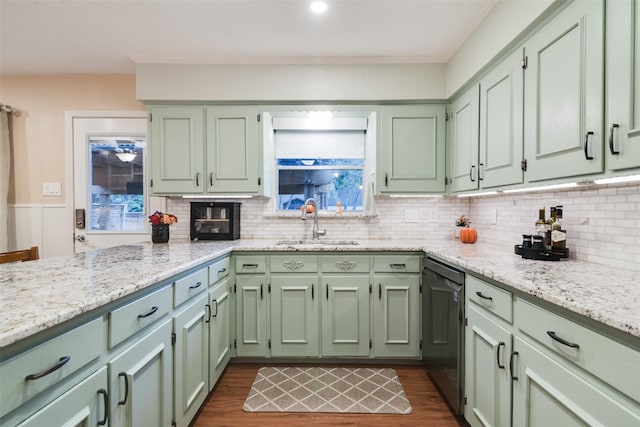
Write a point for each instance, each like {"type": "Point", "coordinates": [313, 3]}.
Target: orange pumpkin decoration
{"type": "Point", "coordinates": [468, 235]}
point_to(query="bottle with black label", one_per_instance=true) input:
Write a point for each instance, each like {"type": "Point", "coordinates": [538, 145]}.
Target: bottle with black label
{"type": "Point", "coordinates": [558, 233]}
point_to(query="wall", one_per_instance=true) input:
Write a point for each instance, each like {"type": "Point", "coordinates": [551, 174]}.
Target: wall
{"type": "Point", "coordinates": [38, 149]}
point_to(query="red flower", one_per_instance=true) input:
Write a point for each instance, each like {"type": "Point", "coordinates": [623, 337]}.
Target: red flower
{"type": "Point", "coordinates": [162, 218]}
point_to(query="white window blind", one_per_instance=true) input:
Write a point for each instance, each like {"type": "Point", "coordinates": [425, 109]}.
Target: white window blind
{"type": "Point", "coordinates": [291, 144]}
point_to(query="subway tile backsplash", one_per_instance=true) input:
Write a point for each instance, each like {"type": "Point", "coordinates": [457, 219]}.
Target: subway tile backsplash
{"type": "Point", "coordinates": [602, 222]}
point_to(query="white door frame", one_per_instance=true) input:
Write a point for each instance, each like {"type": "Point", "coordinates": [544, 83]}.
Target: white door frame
{"type": "Point", "coordinates": [68, 158]}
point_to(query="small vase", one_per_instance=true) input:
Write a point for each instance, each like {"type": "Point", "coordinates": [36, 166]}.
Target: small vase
{"type": "Point", "coordinates": [160, 233]}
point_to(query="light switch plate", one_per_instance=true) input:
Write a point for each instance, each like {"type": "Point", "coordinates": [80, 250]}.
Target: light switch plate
{"type": "Point", "coordinates": [51, 189]}
{"type": "Point", "coordinates": [410, 215]}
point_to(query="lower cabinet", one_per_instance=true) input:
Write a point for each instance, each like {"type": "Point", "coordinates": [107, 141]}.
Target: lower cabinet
{"type": "Point", "coordinates": [294, 315]}
{"type": "Point", "coordinates": [191, 359]}
{"type": "Point", "coordinates": [345, 315]}
{"type": "Point", "coordinates": [220, 301]}
{"type": "Point", "coordinates": [251, 315]}
{"type": "Point", "coordinates": [86, 404]}
{"type": "Point", "coordinates": [487, 380]}
{"type": "Point", "coordinates": [141, 381]}
{"type": "Point", "coordinates": [396, 315]}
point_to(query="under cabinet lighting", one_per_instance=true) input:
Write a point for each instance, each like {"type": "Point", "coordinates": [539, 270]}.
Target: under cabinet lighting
{"type": "Point", "coordinates": [542, 188]}
{"type": "Point", "coordinates": [617, 179]}
{"type": "Point", "coordinates": [486, 193]}
{"type": "Point", "coordinates": [432, 196]}
{"type": "Point", "coordinates": [217, 196]}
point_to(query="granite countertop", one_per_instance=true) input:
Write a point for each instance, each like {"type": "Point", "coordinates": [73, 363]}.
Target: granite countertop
{"type": "Point", "coordinates": [40, 294]}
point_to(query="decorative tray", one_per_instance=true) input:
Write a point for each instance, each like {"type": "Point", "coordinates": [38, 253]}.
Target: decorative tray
{"type": "Point", "coordinates": [541, 255]}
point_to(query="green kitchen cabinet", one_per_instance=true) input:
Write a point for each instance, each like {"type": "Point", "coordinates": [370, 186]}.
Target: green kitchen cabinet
{"type": "Point", "coordinates": [221, 303]}
{"type": "Point", "coordinates": [411, 149]}
{"type": "Point", "coordinates": [462, 141]}
{"type": "Point", "coordinates": [141, 381]}
{"type": "Point", "coordinates": [176, 144]}
{"type": "Point", "coordinates": [501, 115]}
{"type": "Point", "coordinates": [251, 315]}
{"type": "Point", "coordinates": [191, 359]}
{"type": "Point", "coordinates": [345, 314]}
{"type": "Point", "coordinates": [564, 85]}
{"type": "Point", "coordinates": [623, 84]}
{"type": "Point", "coordinates": [86, 404]}
{"type": "Point", "coordinates": [233, 150]}
{"type": "Point", "coordinates": [396, 314]}
{"type": "Point", "coordinates": [294, 315]}
{"type": "Point", "coordinates": [487, 381]}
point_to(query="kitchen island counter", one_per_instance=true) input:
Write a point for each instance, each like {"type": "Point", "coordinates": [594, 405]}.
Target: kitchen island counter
{"type": "Point", "coordinates": [40, 294]}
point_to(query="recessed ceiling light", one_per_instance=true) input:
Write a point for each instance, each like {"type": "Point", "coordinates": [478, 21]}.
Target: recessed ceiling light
{"type": "Point", "coordinates": [318, 7]}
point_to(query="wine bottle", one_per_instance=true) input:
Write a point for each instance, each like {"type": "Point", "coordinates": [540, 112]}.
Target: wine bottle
{"type": "Point", "coordinates": [558, 233]}
{"type": "Point", "coordinates": [550, 222]}
{"type": "Point", "coordinates": [541, 223]}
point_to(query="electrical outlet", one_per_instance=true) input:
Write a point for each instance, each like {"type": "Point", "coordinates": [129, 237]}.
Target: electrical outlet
{"type": "Point", "coordinates": [410, 215]}
{"type": "Point", "coordinates": [493, 215]}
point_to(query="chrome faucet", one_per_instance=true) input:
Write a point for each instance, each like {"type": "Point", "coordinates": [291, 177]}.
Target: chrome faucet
{"type": "Point", "coordinates": [316, 231]}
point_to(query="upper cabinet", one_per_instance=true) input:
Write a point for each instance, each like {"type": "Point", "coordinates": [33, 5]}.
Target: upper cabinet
{"type": "Point", "coordinates": [563, 121]}
{"type": "Point", "coordinates": [462, 141]}
{"type": "Point", "coordinates": [205, 150]}
{"type": "Point", "coordinates": [623, 84]}
{"type": "Point", "coordinates": [411, 156]}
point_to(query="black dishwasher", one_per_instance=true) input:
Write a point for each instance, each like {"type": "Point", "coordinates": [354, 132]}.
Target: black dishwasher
{"type": "Point", "coordinates": [443, 330]}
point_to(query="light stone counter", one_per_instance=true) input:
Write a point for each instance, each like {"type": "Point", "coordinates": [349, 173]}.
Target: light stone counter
{"type": "Point", "coordinates": [40, 294]}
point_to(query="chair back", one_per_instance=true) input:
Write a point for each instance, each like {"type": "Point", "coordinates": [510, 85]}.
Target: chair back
{"type": "Point", "coordinates": [16, 256]}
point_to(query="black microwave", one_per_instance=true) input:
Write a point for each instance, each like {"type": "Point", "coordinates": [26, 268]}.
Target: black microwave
{"type": "Point", "coordinates": [215, 220]}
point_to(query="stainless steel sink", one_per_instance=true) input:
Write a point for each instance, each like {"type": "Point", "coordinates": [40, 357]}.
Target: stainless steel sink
{"type": "Point", "coordinates": [317, 243]}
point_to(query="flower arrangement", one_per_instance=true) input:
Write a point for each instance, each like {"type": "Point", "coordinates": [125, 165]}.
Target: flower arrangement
{"type": "Point", "coordinates": [159, 218]}
{"type": "Point", "coordinates": [463, 221]}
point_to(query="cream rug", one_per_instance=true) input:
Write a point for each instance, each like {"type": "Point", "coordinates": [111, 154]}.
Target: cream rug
{"type": "Point", "coordinates": [302, 389]}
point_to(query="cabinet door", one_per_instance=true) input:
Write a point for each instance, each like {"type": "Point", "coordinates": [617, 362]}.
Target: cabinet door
{"type": "Point", "coordinates": [623, 84]}
{"type": "Point", "coordinates": [177, 147]}
{"type": "Point", "coordinates": [345, 315]}
{"type": "Point", "coordinates": [501, 139]}
{"type": "Point", "coordinates": [396, 312]}
{"type": "Point", "coordinates": [83, 405]}
{"type": "Point", "coordinates": [141, 381]}
{"type": "Point", "coordinates": [548, 393]}
{"type": "Point", "coordinates": [219, 330]}
{"type": "Point", "coordinates": [563, 94]}
{"type": "Point", "coordinates": [411, 154]}
{"type": "Point", "coordinates": [462, 141]}
{"type": "Point", "coordinates": [487, 381]}
{"type": "Point", "coordinates": [251, 315]}
{"type": "Point", "coordinates": [294, 315]}
{"type": "Point", "coordinates": [191, 359]}
{"type": "Point", "coordinates": [233, 150]}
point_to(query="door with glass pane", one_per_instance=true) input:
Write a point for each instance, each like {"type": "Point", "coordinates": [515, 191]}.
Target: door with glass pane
{"type": "Point", "coordinates": [110, 200]}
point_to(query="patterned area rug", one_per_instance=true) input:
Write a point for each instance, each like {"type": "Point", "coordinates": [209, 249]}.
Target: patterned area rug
{"type": "Point", "coordinates": [301, 389]}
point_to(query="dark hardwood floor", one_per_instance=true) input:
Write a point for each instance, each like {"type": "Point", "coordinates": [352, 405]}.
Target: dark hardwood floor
{"type": "Point", "coordinates": [224, 405]}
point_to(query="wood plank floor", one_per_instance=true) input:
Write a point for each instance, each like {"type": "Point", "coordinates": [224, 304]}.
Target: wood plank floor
{"type": "Point", "coordinates": [224, 405]}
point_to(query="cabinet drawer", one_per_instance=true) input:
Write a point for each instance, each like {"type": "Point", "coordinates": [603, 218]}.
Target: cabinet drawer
{"type": "Point", "coordinates": [250, 264]}
{"type": "Point", "coordinates": [129, 319]}
{"type": "Point", "coordinates": [77, 347]}
{"type": "Point", "coordinates": [496, 300]}
{"type": "Point", "coordinates": [190, 285]}
{"type": "Point", "coordinates": [345, 263]}
{"type": "Point", "coordinates": [609, 360]}
{"type": "Point", "coordinates": [397, 263]}
{"type": "Point", "coordinates": [294, 264]}
{"type": "Point", "coordinates": [219, 270]}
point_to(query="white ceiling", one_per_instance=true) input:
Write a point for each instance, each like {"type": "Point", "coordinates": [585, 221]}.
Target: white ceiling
{"type": "Point", "coordinates": [110, 36]}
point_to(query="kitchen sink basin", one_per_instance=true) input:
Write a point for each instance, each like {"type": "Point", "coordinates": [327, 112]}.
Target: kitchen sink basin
{"type": "Point", "coordinates": [317, 243]}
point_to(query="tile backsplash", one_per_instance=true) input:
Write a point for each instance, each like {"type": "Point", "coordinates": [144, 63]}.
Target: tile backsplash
{"type": "Point", "coordinates": [602, 222]}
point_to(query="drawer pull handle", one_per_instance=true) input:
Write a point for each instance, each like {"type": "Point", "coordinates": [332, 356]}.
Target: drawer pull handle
{"type": "Point", "coordinates": [153, 310]}
{"type": "Point", "coordinates": [614, 152]}
{"type": "Point", "coordinates": [63, 361]}
{"type": "Point", "coordinates": [386, 180]}
{"type": "Point", "coordinates": [513, 377]}
{"type": "Point", "coordinates": [198, 179]}
{"type": "Point", "coordinates": [261, 293]}
{"type": "Point", "coordinates": [586, 145]}
{"type": "Point", "coordinates": [471, 173]}
{"type": "Point", "coordinates": [561, 340]}
{"type": "Point", "coordinates": [500, 345]}
{"type": "Point", "coordinates": [313, 289]}
{"type": "Point", "coordinates": [105, 400]}
{"type": "Point", "coordinates": [249, 265]}
{"type": "Point", "coordinates": [126, 388]}
{"type": "Point", "coordinates": [398, 265]}
{"type": "Point", "coordinates": [224, 270]}
{"type": "Point", "coordinates": [216, 303]}
{"type": "Point", "coordinates": [196, 286]}
{"type": "Point", "coordinates": [327, 288]}
{"type": "Point", "coordinates": [484, 296]}
{"type": "Point", "coordinates": [379, 291]}
{"type": "Point", "coordinates": [208, 307]}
